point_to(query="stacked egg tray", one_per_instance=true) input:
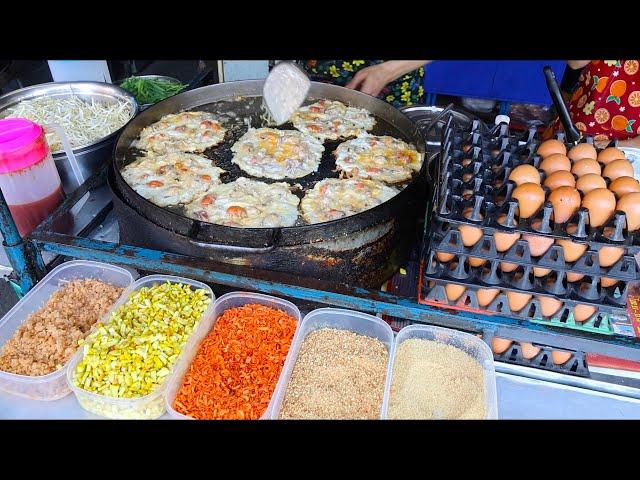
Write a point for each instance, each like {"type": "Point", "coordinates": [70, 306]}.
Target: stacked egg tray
{"type": "Point", "coordinates": [472, 193]}
{"type": "Point", "coordinates": [576, 365]}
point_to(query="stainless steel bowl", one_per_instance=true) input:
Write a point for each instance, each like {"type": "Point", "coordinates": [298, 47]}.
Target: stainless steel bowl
{"type": "Point", "coordinates": [422, 115]}
{"type": "Point", "coordinates": [90, 156]}
{"type": "Point", "coordinates": [153, 77]}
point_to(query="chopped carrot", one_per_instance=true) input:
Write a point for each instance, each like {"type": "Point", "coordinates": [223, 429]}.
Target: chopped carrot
{"type": "Point", "coordinates": [237, 366]}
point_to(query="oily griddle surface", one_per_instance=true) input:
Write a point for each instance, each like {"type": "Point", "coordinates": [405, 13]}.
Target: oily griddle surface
{"type": "Point", "coordinates": [236, 116]}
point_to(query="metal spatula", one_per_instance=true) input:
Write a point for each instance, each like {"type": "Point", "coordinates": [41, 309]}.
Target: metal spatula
{"type": "Point", "coordinates": [572, 133]}
{"type": "Point", "coordinates": [284, 91]}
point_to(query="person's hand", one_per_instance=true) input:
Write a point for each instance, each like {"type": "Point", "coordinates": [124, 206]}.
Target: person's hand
{"type": "Point", "coordinates": [371, 80]}
{"type": "Point", "coordinates": [631, 142]}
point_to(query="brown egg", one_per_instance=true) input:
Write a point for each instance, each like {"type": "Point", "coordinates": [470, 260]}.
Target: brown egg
{"type": "Point", "coordinates": [467, 194]}
{"type": "Point", "coordinates": [555, 163]}
{"type": "Point", "coordinates": [530, 197]}
{"type": "Point", "coordinates": [453, 291]}
{"type": "Point", "coordinates": [610, 154]}
{"type": "Point", "coordinates": [608, 282]}
{"type": "Point", "coordinates": [618, 168]}
{"type": "Point", "coordinates": [549, 305]}
{"type": "Point", "coordinates": [561, 178]}
{"type": "Point", "coordinates": [630, 205]}
{"type": "Point", "coordinates": [572, 250]}
{"type": "Point", "coordinates": [508, 267]}
{"type": "Point", "coordinates": [486, 296]}
{"type": "Point", "coordinates": [582, 313]}
{"type": "Point", "coordinates": [574, 277]}
{"type": "Point", "coordinates": [549, 147]}
{"type": "Point", "coordinates": [500, 345]}
{"type": "Point", "coordinates": [470, 235]}
{"type": "Point", "coordinates": [586, 166]}
{"type": "Point", "coordinates": [476, 262]}
{"type": "Point", "coordinates": [517, 301]}
{"type": "Point", "coordinates": [528, 350]}
{"type": "Point", "coordinates": [444, 257]}
{"type": "Point", "coordinates": [582, 150]}
{"type": "Point", "coordinates": [560, 358]}
{"type": "Point", "coordinates": [504, 241]}
{"type": "Point", "coordinates": [623, 185]}
{"type": "Point", "coordinates": [525, 174]}
{"type": "Point", "coordinates": [609, 255]}
{"type": "Point", "coordinates": [466, 177]}
{"type": "Point", "coordinates": [601, 204]}
{"type": "Point", "coordinates": [589, 182]}
{"type": "Point", "coordinates": [565, 201]}
{"type": "Point", "coordinates": [541, 272]}
{"type": "Point", "coordinates": [466, 147]}
{"type": "Point", "coordinates": [538, 245]}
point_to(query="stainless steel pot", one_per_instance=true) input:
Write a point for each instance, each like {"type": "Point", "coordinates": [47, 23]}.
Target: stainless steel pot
{"type": "Point", "coordinates": [422, 115]}
{"type": "Point", "coordinates": [90, 157]}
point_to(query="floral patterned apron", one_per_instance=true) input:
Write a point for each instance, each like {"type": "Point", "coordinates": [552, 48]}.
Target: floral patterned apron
{"type": "Point", "coordinates": [406, 90]}
{"type": "Point", "coordinates": [606, 102]}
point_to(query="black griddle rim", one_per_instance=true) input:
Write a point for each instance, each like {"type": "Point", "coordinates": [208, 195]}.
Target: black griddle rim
{"type": "Point", "coordinates": [264, 237]}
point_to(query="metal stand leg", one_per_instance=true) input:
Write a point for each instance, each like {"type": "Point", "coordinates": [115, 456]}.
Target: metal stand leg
{"type": "Point", "coordinates": [24, 257]}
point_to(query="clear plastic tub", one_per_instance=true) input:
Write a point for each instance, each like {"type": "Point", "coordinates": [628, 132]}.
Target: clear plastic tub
{"type": "Point", "coordinates": [466, 342]}
{"type": "Point", "coordinates": [54, 385]}
{"type": "Point", "coordinates": [360, 323]}
{"type": "Point", "coordinates": [225, 302]}
{"type": "Point", "coordinates": [150, 406]}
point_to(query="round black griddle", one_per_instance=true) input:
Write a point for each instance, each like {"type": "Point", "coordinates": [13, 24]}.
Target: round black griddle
{"type": "Point", "coordinates": [238, 105]}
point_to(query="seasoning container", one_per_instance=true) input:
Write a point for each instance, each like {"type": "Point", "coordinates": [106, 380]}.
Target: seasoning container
{"type": "Point", "coordinates": [29, 179]}
{"type": "Point", "coordinates": [333, 318]}
{"type": "Point", "coordinates": [54, 385]}
{"type": "Point", "coordinates": [225, 302]}
{"type": "Point", "coordinates": [470, 344]}
{"type": "Point", "coordinates": [149, 406]}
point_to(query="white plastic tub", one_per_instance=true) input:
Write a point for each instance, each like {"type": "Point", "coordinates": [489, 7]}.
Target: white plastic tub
{"type": "Point", "coordinates": [225, 302]}
{"type": "Point", "coordinates": [150, 406]}
{"type": "Point", "coordinates": [466, 342]}
{"type": "Point", "coordinates": [356, 322]}
{"type": "Point", "coordinates": [54, 385]}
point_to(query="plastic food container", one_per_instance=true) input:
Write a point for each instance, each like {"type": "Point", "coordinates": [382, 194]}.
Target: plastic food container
{"type": "Point", "coordinates": [356, 322]}
{"type": "Point", "coordinates": [54, 385]}
{"type": "Point", "coordinates": [225, 302]}
{"type": "Point", "coordinates": [151, 406]}
{"type": "Point", "coordinates": [28, 176]}
{"type": "Point", "coordinates": [466, 342]}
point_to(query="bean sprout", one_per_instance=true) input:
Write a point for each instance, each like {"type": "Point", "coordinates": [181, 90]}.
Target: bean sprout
{"type": "Point", "coordinates": [84, 121]}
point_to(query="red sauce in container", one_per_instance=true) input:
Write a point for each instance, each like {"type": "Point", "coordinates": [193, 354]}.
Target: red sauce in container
{"type": "Point", "coordinates": [28, 216]}
{"type": "Point", "coordinates": [29, 179]}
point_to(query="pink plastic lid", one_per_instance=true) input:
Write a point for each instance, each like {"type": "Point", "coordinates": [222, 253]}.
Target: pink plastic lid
{"type": "Point", "coordinates": [22, 144]}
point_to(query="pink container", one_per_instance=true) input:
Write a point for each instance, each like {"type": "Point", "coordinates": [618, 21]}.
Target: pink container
{"type": "Point", "coordinates": [29, 179]}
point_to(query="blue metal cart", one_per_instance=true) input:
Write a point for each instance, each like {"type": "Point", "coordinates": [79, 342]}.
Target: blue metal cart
{"type": "Point", "coordinates": [91, 208]}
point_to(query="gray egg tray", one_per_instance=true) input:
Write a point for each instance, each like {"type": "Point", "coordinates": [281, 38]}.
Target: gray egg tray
{"type": "Point", "coordinates": [599, 322]}
{"type": "Point", "coordinates": [477, 191]}
{"type": "Point", "coordinates": [445, 237]}
{"type": "Point", "coordinates": [522, 279]}
{"type": "Point", "coordinates": [576, 365]}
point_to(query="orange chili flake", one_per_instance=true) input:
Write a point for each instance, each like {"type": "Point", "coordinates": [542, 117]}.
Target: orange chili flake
{"type": "Point", "coordinates": [237, 366]}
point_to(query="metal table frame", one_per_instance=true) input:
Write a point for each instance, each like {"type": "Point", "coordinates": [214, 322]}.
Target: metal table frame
{"type": "Point", "coordinates": [26, 260]}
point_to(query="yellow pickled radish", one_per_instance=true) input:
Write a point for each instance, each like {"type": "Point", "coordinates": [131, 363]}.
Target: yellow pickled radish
{"type": "Point", "coordinates": [133, 352]}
